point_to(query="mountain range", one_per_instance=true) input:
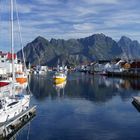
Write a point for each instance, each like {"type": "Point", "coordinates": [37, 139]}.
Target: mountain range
{"type": "Point", "coordinates": [74, 51]}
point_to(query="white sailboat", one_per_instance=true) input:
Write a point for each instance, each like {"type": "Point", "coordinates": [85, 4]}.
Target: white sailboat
{"type": "Point", "coordinates": [12, 105]}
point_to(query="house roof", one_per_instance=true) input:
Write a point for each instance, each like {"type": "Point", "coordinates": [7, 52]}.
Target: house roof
{"type": "Point", "coordinates": [9, 56]}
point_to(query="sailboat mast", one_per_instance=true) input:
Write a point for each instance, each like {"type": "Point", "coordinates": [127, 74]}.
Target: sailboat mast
{"type": "Point", "coordinates": [12, 40]}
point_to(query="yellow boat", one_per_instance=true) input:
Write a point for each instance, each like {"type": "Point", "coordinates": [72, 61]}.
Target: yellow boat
{"type": "Point", "coordinates": [60, 85]}
{"type": "Point", "coordinates": [59, 77]}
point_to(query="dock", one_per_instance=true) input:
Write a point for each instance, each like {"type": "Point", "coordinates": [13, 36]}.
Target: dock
{"type": "Point", "coordinates": [136, 99]}
{"type": "Point", "coordinates": [10, 128]}
{"type": "Point", "coordinates": [123, 74]}
{"type": "Point", "coordinates": [136, 102]}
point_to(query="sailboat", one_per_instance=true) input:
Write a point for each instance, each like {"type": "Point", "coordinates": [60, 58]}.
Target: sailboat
{"type": "Point", "coordinates": [21, 76]}
{"type": "Point", "coordinates": [12, 105]}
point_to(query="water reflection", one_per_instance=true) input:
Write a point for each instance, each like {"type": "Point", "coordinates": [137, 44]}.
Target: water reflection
{"type": "Point", "coordinates": [41, 87]}
{"type": "Point", "coordinates": [89, 87]}
{"type": "Point", "coordinates": [120, 84]}
{"type": "Point", "coordinates": [60, 88]}
{"type": "Point", "coordinates": [92, 107]}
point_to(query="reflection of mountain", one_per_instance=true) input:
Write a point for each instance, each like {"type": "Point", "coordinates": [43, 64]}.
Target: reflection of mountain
{"type": "Point", "coordinates": [97, 88]}
{"type": "Point", "coordinates": [42, 87]}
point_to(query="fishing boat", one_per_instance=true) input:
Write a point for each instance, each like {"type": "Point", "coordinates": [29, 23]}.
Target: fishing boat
{"type": "Point", "coordinates": [59, 77]}
{"type": "Point", "coordinates": [60, 85]}
{"type": "Point", "coordinates": [21, 77]}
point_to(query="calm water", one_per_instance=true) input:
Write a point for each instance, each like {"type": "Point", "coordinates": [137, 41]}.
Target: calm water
{"type": "Point", "coordinates": [87, 107]}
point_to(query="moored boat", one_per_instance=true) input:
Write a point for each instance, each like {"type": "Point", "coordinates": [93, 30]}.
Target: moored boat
{"type": "Point", "coordinates": [12, 103]}
{"type": "Point", "coordinates": [60, 85]}
{"type": "Point", "coordinates": [4, 82]}
{"type": "Point", "coordinates": [59, 77]}
{"type": "Point", "coordinates": [21, 77]}
{"type": "Point", "coordinates": [12, 106]}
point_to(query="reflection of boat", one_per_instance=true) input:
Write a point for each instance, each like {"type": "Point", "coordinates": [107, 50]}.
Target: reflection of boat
{"type": "Point", "coordinates": [21, 77]}
{"type": "Point", "coordinates": [59, 86]}
{"type": "Point", "coordinates": [59, 77]}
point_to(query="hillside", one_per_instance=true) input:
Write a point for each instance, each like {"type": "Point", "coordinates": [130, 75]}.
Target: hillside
{"type": "Point", "coordinates": [74, 51]}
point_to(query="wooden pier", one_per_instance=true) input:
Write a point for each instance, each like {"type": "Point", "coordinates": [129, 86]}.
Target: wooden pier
{"type": "Point", "coordinates": [136, 102]}
{"type": "Point", "coordinates": [9, 128]}
{"type": "Point", "coordinates": [136, 99]}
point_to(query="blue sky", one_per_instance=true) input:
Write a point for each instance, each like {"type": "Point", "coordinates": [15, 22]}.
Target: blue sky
{"type": "Point", "coordinates": [70, 19]}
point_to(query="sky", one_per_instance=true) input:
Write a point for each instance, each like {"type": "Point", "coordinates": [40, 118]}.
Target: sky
{"type": "Point", "coordinates": [66, 19]}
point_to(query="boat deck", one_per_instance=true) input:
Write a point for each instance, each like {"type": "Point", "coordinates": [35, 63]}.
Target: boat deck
{"type": "Point", "coordinates": [11, 126]}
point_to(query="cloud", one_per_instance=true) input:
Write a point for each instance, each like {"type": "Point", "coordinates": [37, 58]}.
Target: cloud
{"type": "Point", "coordinates": [101, 1]}
{"type": "Point", "coordinates": [84, 27]}
{"type": "Point", "coordinates": [74, 19]}
{"type": "Point", "coordinates": [51, 2]}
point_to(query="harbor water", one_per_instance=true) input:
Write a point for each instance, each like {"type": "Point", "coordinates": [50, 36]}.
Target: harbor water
{"type": "Point", "coordinates": [85, 107]}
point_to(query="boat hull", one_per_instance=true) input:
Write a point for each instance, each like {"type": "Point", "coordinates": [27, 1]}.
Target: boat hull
{"type": "Point", "coordinates": [21, 80]}
{"type": "Point", "coordinates": [3, 83]}
{"type": "Point", "coordinates": [59, 80]}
